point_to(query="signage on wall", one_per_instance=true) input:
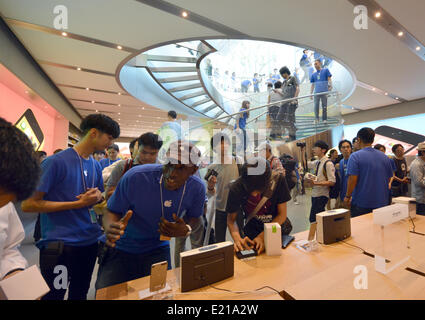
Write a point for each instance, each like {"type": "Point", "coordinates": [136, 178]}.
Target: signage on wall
{"type": "Point", "coordinates": [29, 125]}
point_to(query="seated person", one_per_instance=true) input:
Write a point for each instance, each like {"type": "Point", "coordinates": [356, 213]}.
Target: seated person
{"type": "Point", "coordinates": [246, 193]}
{"type": "Point", "coordinates": [145, 200]}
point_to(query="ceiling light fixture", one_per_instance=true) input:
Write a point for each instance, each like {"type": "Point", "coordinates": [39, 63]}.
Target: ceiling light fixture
{"type": "Point", "coordinates": [377, 15]}
{"type": "Point", "coordinates": [87, 89]}
{"type": "Point", "coordinates": [400, 34]}
{"type": "Point", "coordinates": [64, 34]}
{"type": "Point", "coordinates": [119, 47]}
{"type": "Point", "coordinates": [92, 102]}
{"type": "Point", "coordinates": [119, 93]}
{"type": "Point", "coordinates": [418, 48]}
{"type": "Point", "coordinates": [79, 69]}
{"type": "Point", "coordinates": [396, 98]}
{"type": "Point", "coordinates": [184, 14]}
{"type": "Point", "coordinates": [386, 93]}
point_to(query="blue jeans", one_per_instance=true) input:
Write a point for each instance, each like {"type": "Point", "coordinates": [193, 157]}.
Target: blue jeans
{"type": "Point", "coordinates": [317, 205]}
{"type": "Point", "coordinates": [358, 211]}
{"type": "Point", "coordinates": [324, 99]}
{"type": "Point", "coordinates": [117, 266]}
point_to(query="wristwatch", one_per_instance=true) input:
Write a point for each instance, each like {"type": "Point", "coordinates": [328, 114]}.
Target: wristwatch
{"type": "Point", "coordinates": [189, 230]}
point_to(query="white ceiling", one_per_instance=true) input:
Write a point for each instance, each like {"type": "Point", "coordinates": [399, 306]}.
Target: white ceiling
{"type": "Point", "coordinates": [376, 57]}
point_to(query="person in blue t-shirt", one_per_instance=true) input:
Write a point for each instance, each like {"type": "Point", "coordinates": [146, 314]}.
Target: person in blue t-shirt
{"type": "Point", "coordinates": [146, 197]}
{"type": "Point", "coordinates": [245, 86]}
{"type": "Point", "coordinates": [256, 81]}
{"type": "Point", "coordinates": [320, 82]}
{"type": "Point", "coordinates": [369, 173]}
{"type": "Point", "coordinates": [306, 66]}
{"type": "Point", "coordinates": [113, 152]}
{"type": "Point", "coordinates": [71, 183]}
{"type": "Point", "coordinates": [241, 124]}
{"type": "Point", "coordinates": [275, 76]}
{"type": "Point", "coordinates": [346, 148]}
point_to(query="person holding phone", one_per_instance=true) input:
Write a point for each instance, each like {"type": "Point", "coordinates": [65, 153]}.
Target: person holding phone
{"type": "Point", "coordinates": [262, 198]}
{"type": "Point", "coordinates": [145, 211]}
{"type": "Point", "coordinates": [71, 183]}
{"type": "Point", "coordinates": [417, 175]}
{"type": "Point", "coordinates": [226, 169]}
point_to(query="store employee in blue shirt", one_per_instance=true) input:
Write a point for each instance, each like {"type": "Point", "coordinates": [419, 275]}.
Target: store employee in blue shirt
{"type": "Point", "coordinates": [346, 149]}
{"type": "Point", "coordinates": [148, 203]}
{"type": "Point", "coordinates": [71, 183]}
{"type": "Point", "coordinates": [369, 172]}
{"type": "Point", "coordinates": [113, 152]}
{"type": "Point", "coordinates": [320, 82]}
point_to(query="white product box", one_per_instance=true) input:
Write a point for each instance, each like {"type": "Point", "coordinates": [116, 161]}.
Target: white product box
{"type": "Point", "coordinates": [273, 239]}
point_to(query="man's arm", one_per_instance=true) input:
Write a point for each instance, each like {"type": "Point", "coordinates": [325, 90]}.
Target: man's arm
{"type": "Point", "coordinates": [417, 176]}
{"type": "Point", "coordinates": [239, 243]}
{"type": "Point", "coordinates": [351, 184]}
{"type": "Point", "coordinates": [114, 226]}
{"type": "Point", "coordinates": [36, 203]}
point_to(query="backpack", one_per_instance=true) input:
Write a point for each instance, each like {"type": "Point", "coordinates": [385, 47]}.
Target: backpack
{"type": "Point", "coordinates": [335, 189]}
{"type": "Point", "coordinates": [289, 164]}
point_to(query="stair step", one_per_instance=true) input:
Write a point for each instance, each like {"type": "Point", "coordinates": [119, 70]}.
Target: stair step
{"type": "Point", "coordinates": [192, 95]}
{"type": "Point", "coordinates": [178, 79]}
{"type": "Point", "coordinates": [209, 108]}
{"type": "Point", "coordinates": [197, 103]}
{"type": "Point", "coordinates": [188, 87]}
{"type": "Point", "coordinates": [174, 69]}
{"type": "Point", "coordinates": [152, 57]}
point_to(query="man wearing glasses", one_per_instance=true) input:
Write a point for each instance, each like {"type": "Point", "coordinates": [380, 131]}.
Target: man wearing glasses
{"type": "Point", "coordinates": [145, 209]}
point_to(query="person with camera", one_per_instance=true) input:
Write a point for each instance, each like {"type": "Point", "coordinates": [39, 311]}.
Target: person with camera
{"type": "Point", "coordinates": [286, 115]}
{"type": "Point", "coordinates": [221, 172]}
{"type": "Point", "coordinates": [262, 196]}
{"type": "Point", "coordinates": [324, 179]}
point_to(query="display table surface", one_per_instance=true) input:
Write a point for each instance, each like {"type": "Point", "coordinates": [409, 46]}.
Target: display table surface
{"type": "Point", "coordinates": [327, 273]}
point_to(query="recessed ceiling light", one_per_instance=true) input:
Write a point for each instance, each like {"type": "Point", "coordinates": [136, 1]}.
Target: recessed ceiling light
{"type": "Point", "coordinates": [396, 98]}
{"type": "Point", "coordinates": [400, 34]}
{"type": "Point", "coordinates": [373, 89]}
{"type": "Point", "coordinates": [97, 111]}
{"type": "Point", "coordinates": [119, 105]}
{"type": "Point", "coordinates": [79, 69]}
{"type": "Point", "coordinates": [87, 89]}
{"type": "Point", "coordinates": [386, 93]}
{"type": "Point", "coordinates": [378, 14]}
{"type": "Point", "coordinates": [143, 108]}
{"type": "Point", "coordinates": [119, 119]}
{"type": "Point", "coordinates": [418, 48]}
{"type": "Point", "coordinates": [119, 112]}
{"type": "Point", "coordinates": [92, 102]}
{"type": "Point", "coordinates": [26, 91]}
{"type": "Point", "coordinates": [119, 47]}
{"type": "Point", "coordinates": [184, 14]}
{"type": "Point", "coordinates": [64, 34]}
{"type": "Point", "coordinates": [119, 93]}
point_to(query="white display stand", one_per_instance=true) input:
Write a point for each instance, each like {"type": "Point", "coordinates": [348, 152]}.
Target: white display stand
{"type": "Point", "coordinates": [391, 230]}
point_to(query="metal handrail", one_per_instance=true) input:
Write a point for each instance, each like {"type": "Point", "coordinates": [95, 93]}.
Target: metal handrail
{"type": "Point", "coordinates": [264, 106]}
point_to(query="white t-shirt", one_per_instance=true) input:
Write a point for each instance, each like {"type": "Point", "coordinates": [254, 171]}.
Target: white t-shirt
{"type": "Point", "coordinates": [322, 191]}
{"type": "Point", "coordinates": [11, 235]}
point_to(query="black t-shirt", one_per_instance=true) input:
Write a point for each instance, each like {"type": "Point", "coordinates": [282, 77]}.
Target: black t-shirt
{"type": "Point", "coordinates": [401, 171]}
{"type": "Point", "coordinates": [238, 200]}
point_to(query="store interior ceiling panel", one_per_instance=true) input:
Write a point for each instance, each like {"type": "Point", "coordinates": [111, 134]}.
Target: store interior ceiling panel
{"type": "Point", "coordinates": [375, 56]}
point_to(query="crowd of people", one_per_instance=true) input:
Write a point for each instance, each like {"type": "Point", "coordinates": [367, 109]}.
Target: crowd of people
{"type": "Point", "coordinates": [144, 203]}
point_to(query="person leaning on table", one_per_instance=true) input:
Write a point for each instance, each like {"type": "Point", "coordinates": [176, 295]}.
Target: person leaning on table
{"type": "Point", "coordinates": [246, 193]}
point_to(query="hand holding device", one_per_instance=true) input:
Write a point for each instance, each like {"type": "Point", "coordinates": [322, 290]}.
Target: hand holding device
{"type": "Point", "coordinates": [90, 197]}
{"type": "Point", "coordinates": [243, 244]}
{"type": "Point", "coordinates": [259, 243]}
{"type": "Point", "coordinates": [116, 229]}
{"type": "Point", "coordinates": [173, 229]}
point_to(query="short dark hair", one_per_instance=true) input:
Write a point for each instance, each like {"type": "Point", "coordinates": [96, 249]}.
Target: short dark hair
{"type": "Point", "coordinates": [132, 143]}
{"type": "Point", "coordinates": [305, 50]}
{"type": "Point", "coordinates": [115, 147]}
{"type": "Point", "coordinates": [367, 135]}
{"type": "Point", "coordinates": [100, 152]}
{"type": "Point", "coordinates": [256, 182]}
{"type": "Point", "coordinates": [269, 85]}
{"type": "Point", "coordinates": [318, 60]}
{"type": "Point", "coordinates": [322, 145]}
{"type": "Point", "coordinates": [342, 142]}
{"type": "Point", "coordinates": [378, 146]}
{"type": "Point", "coordinates": [355, 139]}
{"type": "Point", "coordinates": [218, 138]}
{"type": "Point", "coordinates": [394, 148]}
{"type": "Point", "coordinates": [19, 167]}
{"type": "Point", "coordinates": [102, 123]}
{"type": "Point", "coordinates": [277, 84]}
{"type": "Point", "coordinates": [284, 70]}
{"type": "Point", "coordinates": [332, 151]}
{"type": "Point", "coordinates": [172, 114]}
{"type": "Point", "coordinates": [150, 139]}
